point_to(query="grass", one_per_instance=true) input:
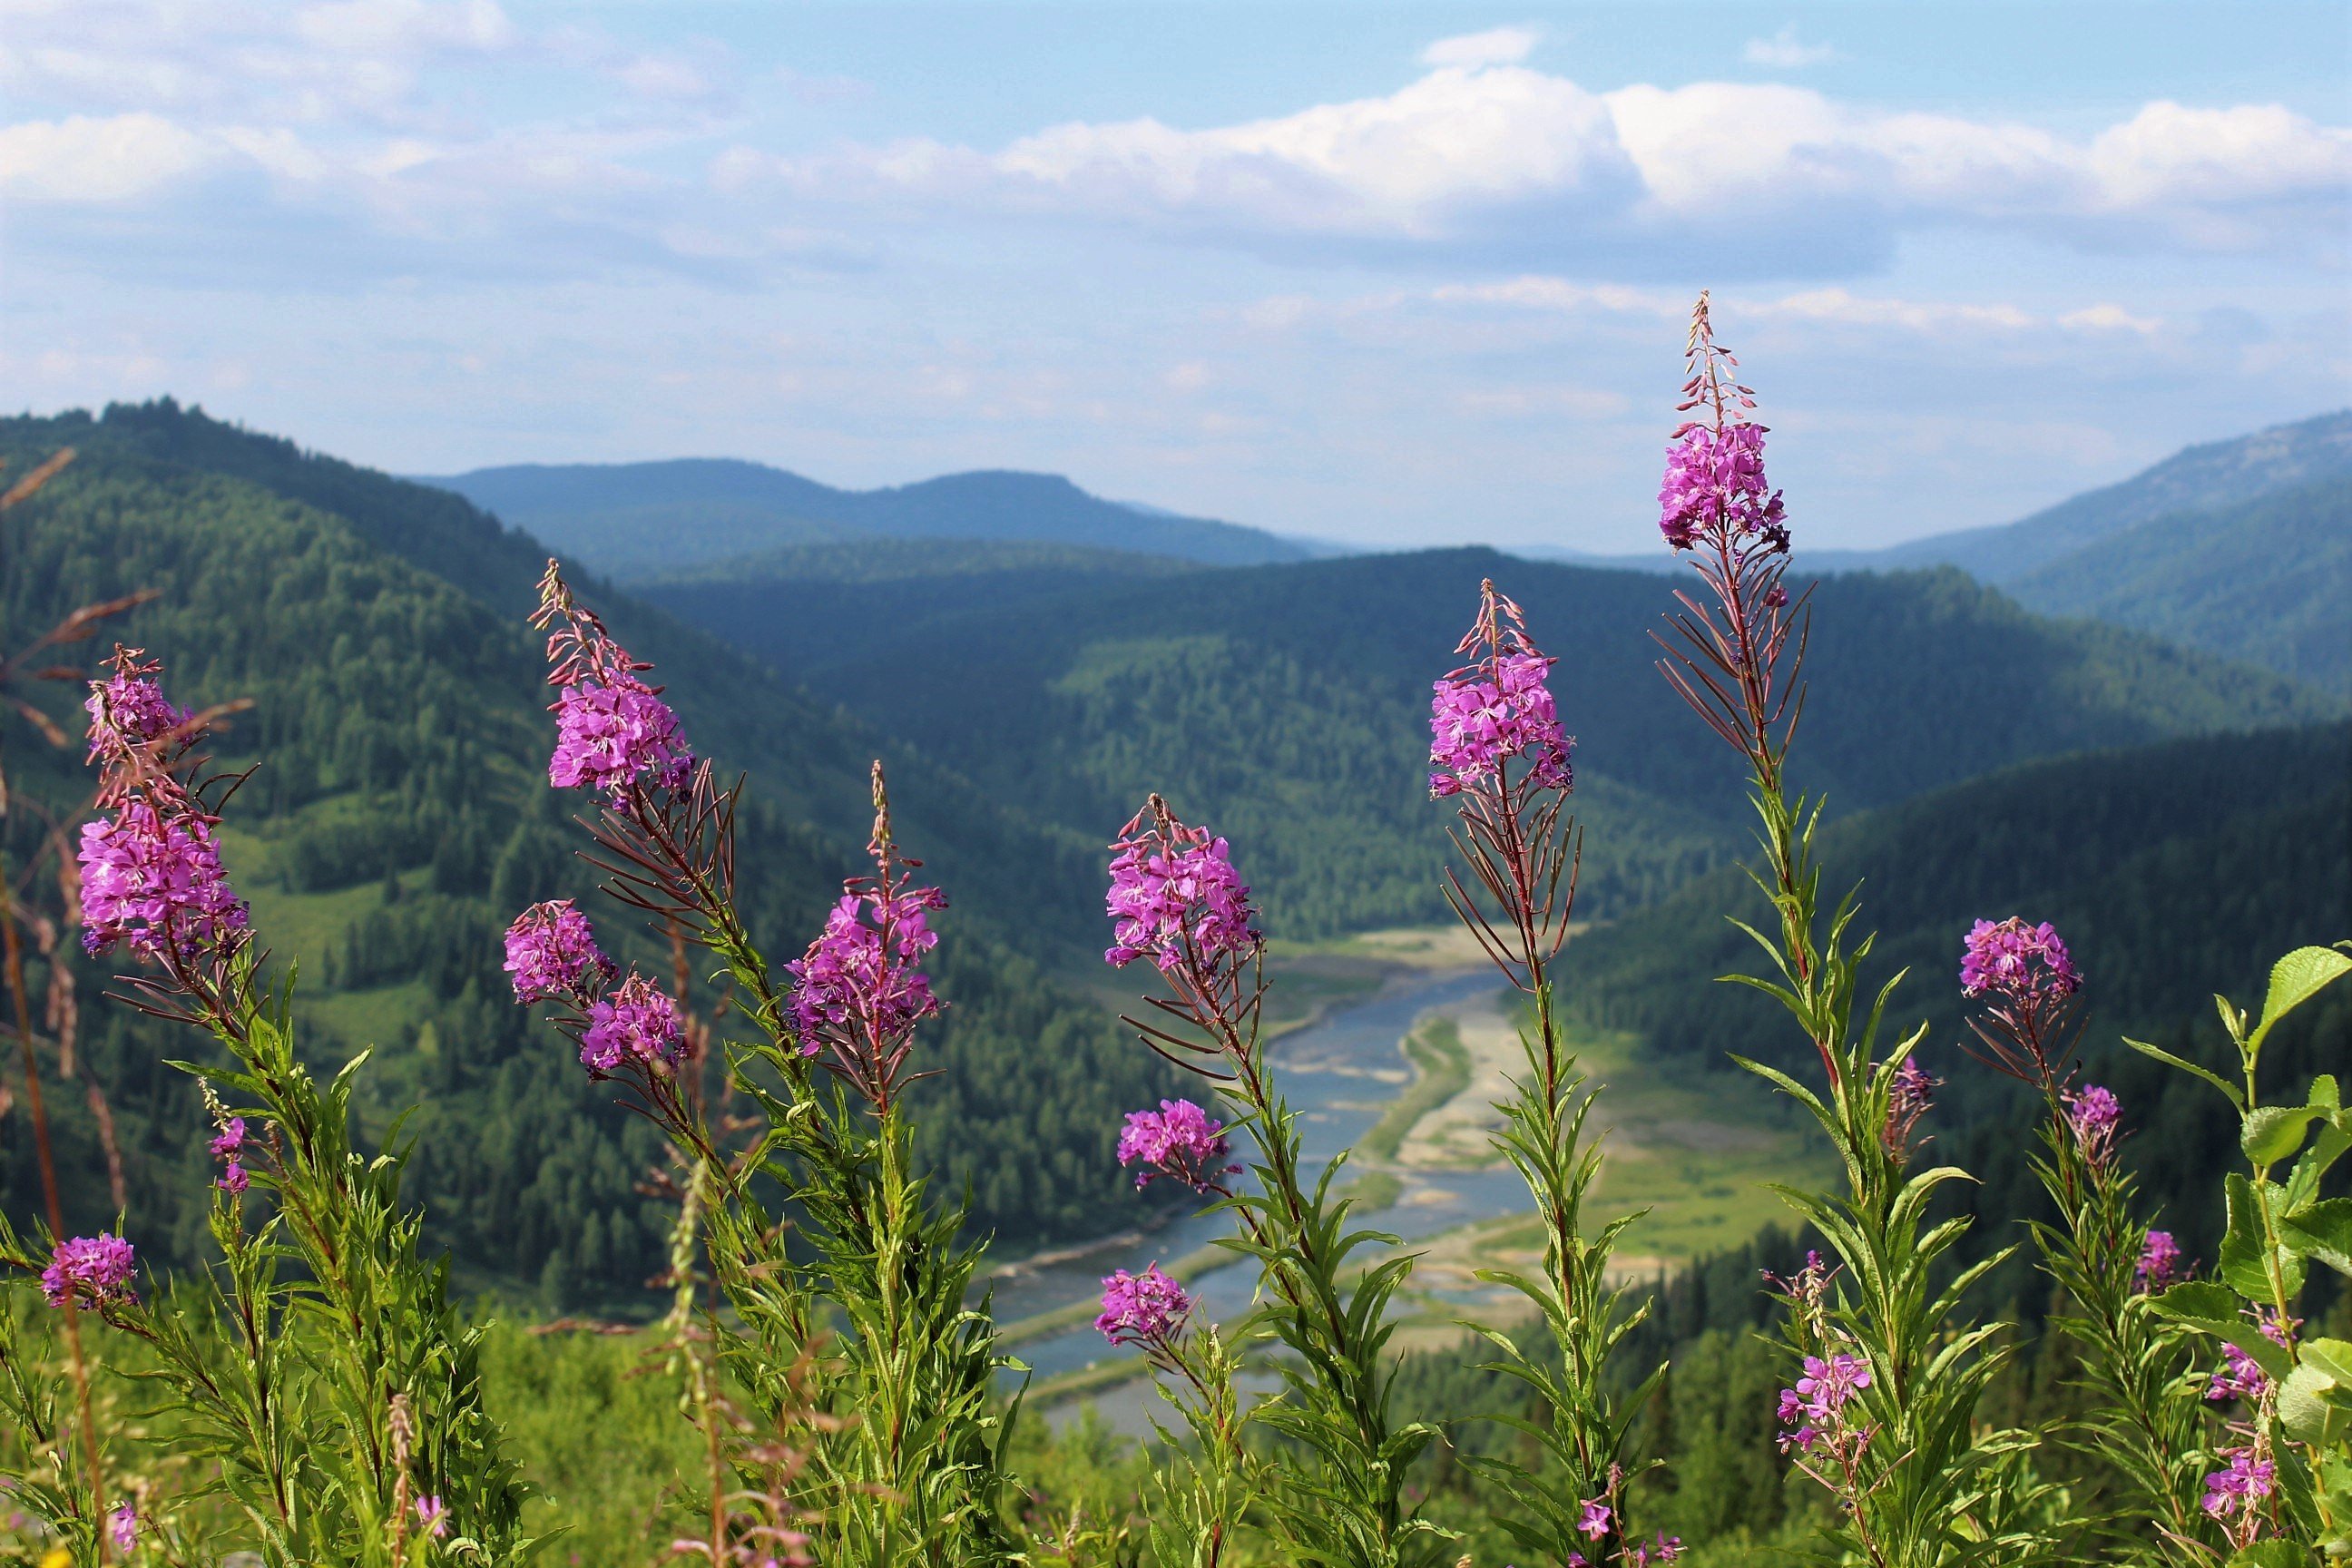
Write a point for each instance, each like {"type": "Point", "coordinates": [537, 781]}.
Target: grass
{"type": "Point", "coordinates": [1440, 1070]}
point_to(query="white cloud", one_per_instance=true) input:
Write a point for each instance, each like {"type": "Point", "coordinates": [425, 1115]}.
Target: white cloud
{"type": "Point", "coordinates": [1784, 52]}
{"type": "Point", "coordinates": [403, 26]}
{"type": "Point", "coordinates": [82, 159]}
{"type": "Point", "coordinates": [1494, 46]}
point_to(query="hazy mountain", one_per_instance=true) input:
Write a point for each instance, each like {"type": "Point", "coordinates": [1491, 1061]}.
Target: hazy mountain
{"type": "Point", "coordinates": [631, 518]}
{"type": "Point", "coordinates": [2218, 474]}
{"type": "Point", "coordinates": [2269, 582]}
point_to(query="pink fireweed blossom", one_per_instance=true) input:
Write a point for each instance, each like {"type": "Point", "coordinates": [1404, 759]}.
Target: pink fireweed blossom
{"type": "Point", "coordinates": [1816, 1407]}
{"type": "Point", "coordinates": [859, 990]}
{"type": "Point", "coordinates": [1592, 1518]}
{"type": "Point", "coordinates": [1715, 487]}
{"type": "Point", "coordinates": [2093, 1115]}
{"type": "Point", "coordinates": [129, 712]}
{"type": "Point", "coordinates": [154, 885]}
{"type": "Point", "coordinates": [1147, 1309]}
{"type": "Point", "coordinates": [612, 731]}
{"type": "Point", "coordinates": [1176, 896]}
{"type": "Point", "coordinates": [433, 1516]}
{"type": "Point", "coordinates": [122, 1524]}
{"type": "Point", "coordinates": [1179, 1141]}
{"type": "Point", "coordinates": [2235, 1494]}
{"type": "Point", "coordinates": [2018, 962]}
{"type": "Point", "coordinates": [1909, 1097]}
{"type": "Point", "coordinates": [229, 1145]}
{"type": "Point", "coordinates": [2239, 1377]}
{"type": "Point", "coordinates": [1496, 707]}
{"type": "Point", "coordinates": [551, 953]}
{"type": "Point", "coordinates": [92, 1270]}
{"type": "Point", "coordinates": [2160, 1262]}
{"type": "Point", "coordinates": [636, 1025]}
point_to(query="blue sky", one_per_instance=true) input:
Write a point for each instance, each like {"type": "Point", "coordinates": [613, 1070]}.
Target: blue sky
{"type": "Point", "coordinates": [1394, 274]}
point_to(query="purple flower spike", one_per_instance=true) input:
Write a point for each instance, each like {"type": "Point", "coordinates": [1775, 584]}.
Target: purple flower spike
{"type": "Point", "coordinates": [1909, 1099]}
{"type": "Point", "coordinates": [92, 1270]}
{"type": "Point", "coordinates": [859, 975]}
{"type": "Point", "coordinates": [1714, 487]}
{"type": "Point", "coordinates": [1176, 899]}
{"type": "Point", "coordinates": [129, 712]}
{"type": "Point", "coordinates": [1147, 1309]}
{"type": "Point", "coordinates": [154, 886]}
{"type": "Point", "coordinates": [1592, 1518]}
{"type": "Point", "coordinates": [2241, 1377]}
{"type": "Point", "coordinates": [1481, 717]}
{"type": "Point", "coordinates": [2024, 964]}
{"type": "Point", "coordinates": [2160, 1262]}
{"type": "Point", "coordinates": [551, 953]}
{"type": "Point", "coordinates": [636, 1025]}
{"type": "Point", "coordinates": [2093, 1115]}
{"type": "Point", "coordinates": [610, 735]}
{"type": "Point", "coordinates": [122, 1524]}
{"type": "Point", "coordinates": [1179, 1141]}
{"type": "Point", "coordinates": [2239, 1489]}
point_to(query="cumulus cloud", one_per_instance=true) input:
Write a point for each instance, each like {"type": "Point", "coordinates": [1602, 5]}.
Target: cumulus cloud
{"type": "Point", "coordinates": [96, 160]}
{"type": "Point", "coordinates": [1782, 51]}
{"type": "Point", "coordinates": [1494, 46]}
{"type": "Point", "coordinates": [1477, 151]}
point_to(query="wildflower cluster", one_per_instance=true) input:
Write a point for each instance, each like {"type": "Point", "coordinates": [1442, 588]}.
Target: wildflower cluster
{"type": "Point", "coordinates": [1497, 708]}
{"type": "Point", "coordinates": [2159, 1263]}
{"type": "Point", "coordinates": [228, 1147]}
{"type": "Point", "coordinates": [552, 955]}
{"type": "Point", "coordinates": [1179, 1141]}
{"type": "Point", "coordinates": [1713, 486]}
{"type": "Point", "coordinates": [1147, 1309]}
{"type": "Point", "coordinates": [1909, 1097]}
{"type": "Point", "coordinates": [1175, 896]}
{"type": "Point", "coordinates": [612, 731]}
{"type": "Point", "coordinates": [94, 1270]}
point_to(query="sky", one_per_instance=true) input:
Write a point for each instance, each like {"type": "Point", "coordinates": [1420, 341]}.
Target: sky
{"type": "Point", "coordinates": [1391, 275]}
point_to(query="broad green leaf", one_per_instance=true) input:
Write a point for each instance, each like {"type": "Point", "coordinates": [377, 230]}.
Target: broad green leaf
{"type": "Point", "coordinates": [2271, 1554]}
{"type": "Point", "coordinates": [2314, 1407]}
{"type": "Point", "coordinates": [2333, 1357]}
{"type": "Point", "coordinates": [2208, 1074]}
{"type": "Point", "coordinates": [2270, 1133]}
{"type": "Point", "coordinates": [2323, 1095]}
{"type": "Point", "coordinates": [2297, 979]}
{"type": "Point", "coordinates": [2322, 1230]}
{"type": "Point", "coordinates": [2212, 1308]}
{"type": "Point", "coordinates": [2245, 1263]}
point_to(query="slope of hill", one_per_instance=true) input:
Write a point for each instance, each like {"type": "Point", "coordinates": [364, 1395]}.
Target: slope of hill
{"type": "Point", "coordinates": [1288, 705]}
{"type": "Point", "coordinates": [2197, 478]}
{"type": "Point", "coordinates": [400, 816]}
{"type": "Point", "coordinates": [2269, 582]}
{"type": "Point", "coordinates": [811, 602]}
{"type": "Point", "coordinates": [2173, 871]}
{"type": "Point", "coordinates": [630, 518]}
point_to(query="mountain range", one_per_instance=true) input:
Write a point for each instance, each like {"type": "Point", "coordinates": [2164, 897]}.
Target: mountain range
{"type": "Point", "coordinates": [627, 518]}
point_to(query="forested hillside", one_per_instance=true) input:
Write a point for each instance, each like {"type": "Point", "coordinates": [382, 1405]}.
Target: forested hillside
{"type": "Point", "coordinates": [400, 815]}
{"type": "Point", "coordinates": [2269, 582]}
{"type": "Point", "coordinates": [1288, 705]}
{"type": "Point", "coordinates": [2173, 871]}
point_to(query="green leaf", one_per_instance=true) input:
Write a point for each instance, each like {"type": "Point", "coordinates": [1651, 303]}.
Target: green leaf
{"type": "Point", "coordinates": [2322, 1230]}
{"type": "Point", "coordinates": [2333, 1357]}
{"type": "Point", "coordinates": [2314, 1407]}
{"type": "Point", "coordinates": [2208, 1074]}
{"type": "Point", "coordinates": [2272, 1553]}
{"type": "Point", "coordinates": [2270, 1133]}
{"type": "Point", "coordinates": [2297, 979]}
{"type": "Point", "coordinates": [2323, 1095]}
{"type": "Point", "coordinates": [2215, 1310]}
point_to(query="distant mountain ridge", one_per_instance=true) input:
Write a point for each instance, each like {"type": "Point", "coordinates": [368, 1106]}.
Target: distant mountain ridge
{"type": "Point", "coordinates": [633, 519]}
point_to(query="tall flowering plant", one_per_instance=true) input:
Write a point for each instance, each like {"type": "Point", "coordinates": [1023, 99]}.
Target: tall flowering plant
{"type": "Point", "coordinates": [2136, 1366]}
{"type": "Point", "coordinates": [1499, 753]}
{"type": "Point", "coordinates": [1338, 1495]}
{"type": "Point", "coordinates": [1916, 1481]}
{"type": "Point", "coordinates": [861, 1337]}
{"type": "Point", "coordinates": [320, 1366]}
{"type": "Point", "coordinates": [2281, 1485]}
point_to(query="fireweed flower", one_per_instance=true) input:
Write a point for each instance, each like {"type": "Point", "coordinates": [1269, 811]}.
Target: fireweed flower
{"type": "Point", "coordinates": [1179, 1141]}
{"type": "Point", "coordinates": [612, 731]}
{"type": "Point", "coordinates": [1592, 1518]}
{"type": "Point", "coordinates": [1714, 488]}
{"type": "Point", "coordinates": [859, 990]}
{"type": "Point", "coordinates": [551, 953]}
{"type": "Point", "coordinates": [2093, 1115]}
{"type": "Point", "coordinates": [1147, 1309]}
{"type": "Point", "coordinates": [129, 710]}
{"type": "Point", "coordinates": [229, 1145]}
{"type": "Point", "coordinates": [1497, 708]}
{"type": "Point", "coordinates": [1909, 1097]}
{"type": "Point", "coordinates": [2160, 1262]}
{"type": "Point", "coordinates": [2238, 1378]}
{"type": "Point", "coordinates": [2016, 961]}
{"type": "Point", "coordinates": [433, 1516]}
{"type": "Point", "coordinates": [154, 885]}
{"type": "Point", "coordinates": [2238, 1490]}
{"type": "Point", "coordinates": [636, 1025]}
{"type": "Point", "coordinates": [122, 1524]}
{"type": "Point", "coordinates": [1175, 895]}
{"type": "Point", "coordinates": [92, 1270]}
{"type": "Point", "coordinates": [1816, 1406]}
